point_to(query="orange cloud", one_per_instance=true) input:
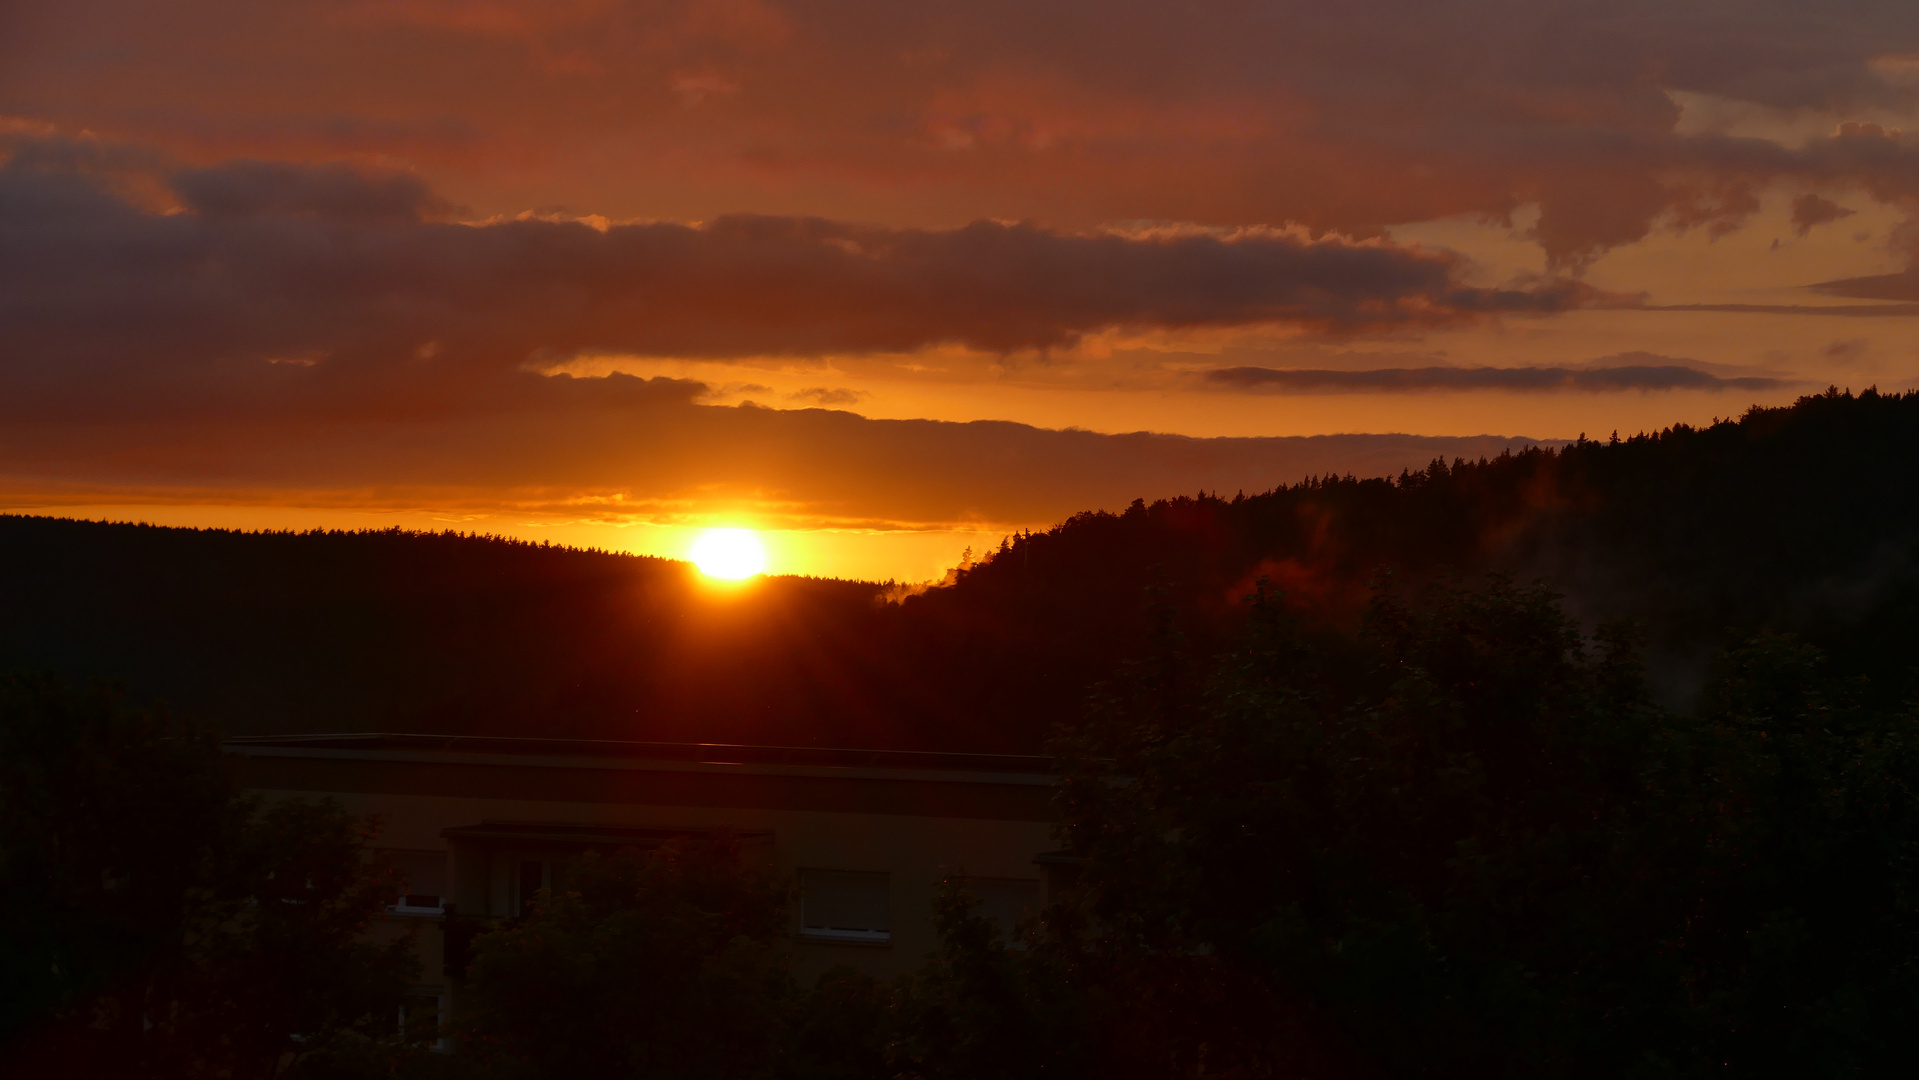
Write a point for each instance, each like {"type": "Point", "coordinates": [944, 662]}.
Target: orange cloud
{"type": "Point", "coordinates": [324, 331]}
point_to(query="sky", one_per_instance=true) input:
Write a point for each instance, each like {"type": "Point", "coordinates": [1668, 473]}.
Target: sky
{"type": "Point", "coordinates": [890, 281]}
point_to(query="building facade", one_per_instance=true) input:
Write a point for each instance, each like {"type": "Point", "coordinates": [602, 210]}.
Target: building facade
{"type": "Point", "coordinates": [478, 826]}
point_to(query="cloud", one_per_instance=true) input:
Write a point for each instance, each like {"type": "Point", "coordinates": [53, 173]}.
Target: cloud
{"type": "Point", "coordinates": [619, 448]}
{"type": "Point", "coordinates": [823, 396]}
{"type": "Point", "coordinates": [1809, 210]}
{"type": "Point", "coordinates": [273, 260]}
{"type": "Point", "coordinates": [1534, 379]}
{"type": "Point", "coordinates": [319, 337]}
{"type": "Point", "coordinates": [332, 191]}
{"type": "Point", "coordinates": [1890, 283]}
{"type": "Point", "coordinates": [1073, 113]}
{"type": "Point", "coordinates": [1845, 352]}
{"type": "Point", "coordinates": [1901, 286]}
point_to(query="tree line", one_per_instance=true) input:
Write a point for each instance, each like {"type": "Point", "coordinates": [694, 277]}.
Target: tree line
{"type": "Point", "coordinates": [1458, 836]}
{"type": "Point", "coordinates": [1802, 519]}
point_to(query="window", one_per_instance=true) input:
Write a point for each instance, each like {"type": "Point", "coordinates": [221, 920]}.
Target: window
{"type": "Point", "coordinates": [843, 905]}
{"type": "Point", "coordinates": [424, 871]}
{"type": "Point", "coordinates": [420, 1021]}
{"type": "Point", "coordinates": [425, 876]}
{"type": "Point", "coordinates": [419, 904]}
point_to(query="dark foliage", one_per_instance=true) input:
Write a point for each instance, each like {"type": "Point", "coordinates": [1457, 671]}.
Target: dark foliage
{"type": "Point", "coordinates": [1802, 519]}
{"type": "Point", "coordinates": [671, 964]}
{"type": "Point", "coordinates": [1465, 843]}
{"type": "Point", "coordinates": [434, 632]}
{"type": "Point", "coordinates": [154, 921]}
{"type": "Point", "coordinates": [985, 1007]}
{"type": "Point", "coordinates": [661, 964]}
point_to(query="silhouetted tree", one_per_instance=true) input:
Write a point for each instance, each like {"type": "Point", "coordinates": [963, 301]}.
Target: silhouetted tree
{"type": "Point", "coordinates": [847, 1027]}
{"type": "Point", "coordinates": [984, 1006]}
{"type": "Point", "coordinates": [1464, 843]}
{"type": "Point", "coordinates": [158, 922]}
{"type": "Point", "coordinates": [660, 964]}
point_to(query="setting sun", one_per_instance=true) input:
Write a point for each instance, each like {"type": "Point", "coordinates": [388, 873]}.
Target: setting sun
{"type": "Point", "coordinates": [729, 553]}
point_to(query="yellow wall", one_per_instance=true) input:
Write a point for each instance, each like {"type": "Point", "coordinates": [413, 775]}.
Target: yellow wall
{"type": "Point", "coordinates": [992, 827]}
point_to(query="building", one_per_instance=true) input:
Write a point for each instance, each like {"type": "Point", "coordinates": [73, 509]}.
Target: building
{"type": "Point", "coordinates": [479, 825]}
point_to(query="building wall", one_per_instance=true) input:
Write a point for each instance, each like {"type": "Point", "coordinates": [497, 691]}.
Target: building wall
{"type": "Point", "coordinates": [918, 829]}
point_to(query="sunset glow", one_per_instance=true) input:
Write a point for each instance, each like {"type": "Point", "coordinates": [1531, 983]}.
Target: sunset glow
{"type": "Point", "coordinates": [849, 463]}
{"type": "Point", "coordinates": [729, 554]}
{"type": "Point", "coordinates": [893, 283]}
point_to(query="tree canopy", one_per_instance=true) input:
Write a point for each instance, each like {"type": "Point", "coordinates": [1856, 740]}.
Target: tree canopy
{"type": "Point", "coordinates": [1464, 842]}
{"type": "Point", "coordinates": [155, 920]}
{"type": "Point", "coordinates": [656, 964]}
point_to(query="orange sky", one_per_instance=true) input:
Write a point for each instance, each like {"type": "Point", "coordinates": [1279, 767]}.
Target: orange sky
{"type": "Point", "coordinates": [892, 280]}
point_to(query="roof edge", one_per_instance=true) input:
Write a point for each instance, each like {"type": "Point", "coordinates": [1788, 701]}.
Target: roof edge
{"type": "Point", "coordinates": [697, 753]}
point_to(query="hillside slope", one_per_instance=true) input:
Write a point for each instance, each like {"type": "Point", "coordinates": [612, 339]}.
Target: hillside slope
{"type": "Point", "coordinates": [1804, 518]}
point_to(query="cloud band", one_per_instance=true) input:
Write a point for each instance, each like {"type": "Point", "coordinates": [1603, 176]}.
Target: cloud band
{"type": "Point", "coordinates": [1530, 379]}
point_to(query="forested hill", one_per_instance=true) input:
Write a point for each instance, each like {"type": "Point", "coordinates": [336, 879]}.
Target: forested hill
{"type": "Point", "coordinates": [1803, 518]}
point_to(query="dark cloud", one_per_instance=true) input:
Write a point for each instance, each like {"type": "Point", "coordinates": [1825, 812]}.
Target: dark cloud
{"type": "Point", "coordinates": [1537, 379]}
{"type": "Point", "coordinates": [333, 191]}
{"type": "Point", "coordinates": [1846, 352]}
{"type": "Point", "coordinates": [1888, 283]}
{"type": "Point", "coordinates": [342, 271]}
{"type": "Point", "coordinates": [1809, 210]}
{"type": "Point", "coordinates": [1712, 182]}
{"type": "Point", "coordinates": [616, 446]}
{"type": "Point", "coordinates": [1901, 286]}
{"type": "Point", "coordinates": [318, 337]}
{"type": "Point", "coordinates": [828, 396]}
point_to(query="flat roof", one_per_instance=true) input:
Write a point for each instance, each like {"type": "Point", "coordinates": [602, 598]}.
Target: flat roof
{"type": "Point", "coordinates": [575, 835]}
{"type": "Point", "coordinates": [614, 749]}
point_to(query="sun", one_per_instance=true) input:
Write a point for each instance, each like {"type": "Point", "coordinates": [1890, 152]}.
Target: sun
{"type": "Point", "coordinates": [732, 554]}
